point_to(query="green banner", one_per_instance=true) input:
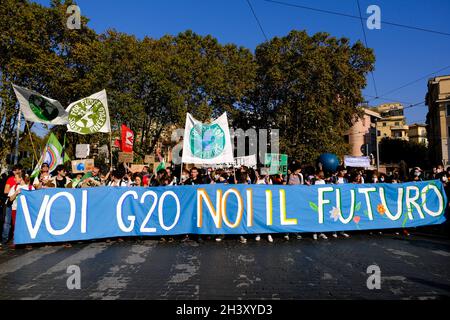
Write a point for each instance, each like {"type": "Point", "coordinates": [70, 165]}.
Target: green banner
{"type": "Point", "coordinates": [277, 163]}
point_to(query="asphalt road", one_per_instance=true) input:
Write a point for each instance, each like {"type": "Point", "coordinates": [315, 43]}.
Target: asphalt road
{"type": "Point", "coordinates": [414, 267]}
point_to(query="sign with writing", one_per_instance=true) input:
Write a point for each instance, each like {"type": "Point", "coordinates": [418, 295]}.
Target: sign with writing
{"type": "Point", "coordinates": [103, 151]}
{"type": "Point", "coordinates": [82, 151]}
{"type": "Point", "coordinates": [248, 161]}
{"type": "Point", "coordinates": [357, 162]}
{"type": "Point", "coordinates": [277, 163]}
{"type": "Point", "coordinates": [126, 157]}
{"type": "Point", "coordinates": [149, 158]}
{"type": "Point", "coordinates": [137, 168]}
{"type": "Point", "coordinates": [60, 215]}
{"type": "Point", "coordinates": [81, 166]}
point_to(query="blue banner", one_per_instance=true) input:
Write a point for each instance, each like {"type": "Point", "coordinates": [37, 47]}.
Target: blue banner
{"type": "Point", "coordinates": [54, 215]}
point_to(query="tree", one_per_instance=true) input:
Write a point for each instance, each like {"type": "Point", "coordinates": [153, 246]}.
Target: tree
{"type": "Point", "coordinates": [309, 88]}
{"type": "Point", "coordinates": [397, 150]}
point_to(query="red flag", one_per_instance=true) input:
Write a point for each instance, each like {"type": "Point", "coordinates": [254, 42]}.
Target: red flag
{"type": "Point", "coordinates": [117, 144]}
{"type": "Point", "coordinates": [127, 139]}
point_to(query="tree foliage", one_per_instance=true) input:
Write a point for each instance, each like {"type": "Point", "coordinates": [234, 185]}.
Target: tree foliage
{"type": "Point", "coordinates": [308, 86]}
{"type": "Point", "coordinates": [396, 150]}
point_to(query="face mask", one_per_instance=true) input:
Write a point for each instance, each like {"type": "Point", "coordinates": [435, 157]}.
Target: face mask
{"type": "Point", "coordinates": [417, 173]}
{"type": "Point", "coordinates": [375, 180]}
{"type": "Point", "coordinates": [381, 179]}
{"type": "Point", "coordinates": [444, 179]}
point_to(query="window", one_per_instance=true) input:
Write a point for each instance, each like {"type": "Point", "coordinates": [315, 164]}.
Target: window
{"type": "Point", "coordinates": [397, 123]}
{"type": "Point", "coordinates": [448, 110]}
{"type": "Point", "coordinates": [384, 124]}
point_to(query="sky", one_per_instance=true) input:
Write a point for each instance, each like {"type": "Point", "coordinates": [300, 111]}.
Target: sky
{"type": "Point", "coordinates": [402, 55]}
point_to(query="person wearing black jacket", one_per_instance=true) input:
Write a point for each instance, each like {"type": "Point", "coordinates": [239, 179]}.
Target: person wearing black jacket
{"type": "Point", "coordinates": [194, 178]}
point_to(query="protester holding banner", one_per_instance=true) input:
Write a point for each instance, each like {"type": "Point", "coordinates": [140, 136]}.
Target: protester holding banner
{"type": "Point", "coordinates": [91, 179]}
{"type": "Point", "coordinates": [60, 180]}
{"type": "Point", "coordinates": [262, 179]}
{"type": "Point", "coordinates": [117, 179]}
{"type": "Point", "coordinates": [22, 182]}
{"type": "Point", "coordinates": [171, 178]}
{"type": "Point", "coordinates": [136, 180]}
{"type": "Point", "coordinates": [340, 178]}
{"type": "Point", "coordinates": [10, 183]}
{"type": "Point", "coordinates": [41, 181]}
{"type": "Point", "coordinates": [296, 177]}
{"type": "Point", "coordinates": [194, 177]}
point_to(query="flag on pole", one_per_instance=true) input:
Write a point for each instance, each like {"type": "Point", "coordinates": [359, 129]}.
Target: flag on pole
{"type": "Point", "coordinates": [89, 115]}
{"type": "Point", "coordinates": [207, 143]}
{"type": "Point", "coordinates": [52, 155]}
{"type": "Point", "coordinates": [127, 140]}
{"type": "Point", "coordinates": [38, 108]}
{"type": "Point", "coordinates": [117, 143]}
{"type": "Point", "coordinates": [63, 151]}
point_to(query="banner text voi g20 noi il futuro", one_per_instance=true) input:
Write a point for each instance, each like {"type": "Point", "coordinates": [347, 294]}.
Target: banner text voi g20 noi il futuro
{"type": "Point", "coordinates": [54, 215]}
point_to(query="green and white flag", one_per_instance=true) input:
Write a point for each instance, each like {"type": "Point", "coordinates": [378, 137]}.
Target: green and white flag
{"type": "Point", "coordinates": [52, 155]}
{"type": "Point", "coordinates": [38, 108]}
{"type": "Point", "coordinates": [89, 115]}
{"type": "Point", "coordinates": [207, 143]}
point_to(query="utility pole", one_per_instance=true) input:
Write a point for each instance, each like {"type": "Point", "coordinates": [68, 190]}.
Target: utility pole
{"type": "Point", "coordinates": [378, 147]}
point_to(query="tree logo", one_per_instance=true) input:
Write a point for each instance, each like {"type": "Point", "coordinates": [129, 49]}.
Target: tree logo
{"type": "Point", "coordinates": [42, 108]}
{"type": "Point", "coordinates": [207, 141]}
{"type": "Point", "coordinates": [87, 116]}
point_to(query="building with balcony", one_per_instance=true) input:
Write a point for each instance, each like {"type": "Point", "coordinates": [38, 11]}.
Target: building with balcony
{"type": "Point", "coordinates": [418, 133]}
{"type": "Point", "coordinates": [392, 123]}
{"type": "Point", "coordinates": [438, 119]}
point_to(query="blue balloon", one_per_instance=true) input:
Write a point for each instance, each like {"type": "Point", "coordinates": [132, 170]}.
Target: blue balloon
{"type": "Point", "coordinates": [329, 161]}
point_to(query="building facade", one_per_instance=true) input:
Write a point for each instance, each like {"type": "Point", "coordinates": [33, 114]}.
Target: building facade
{"type": "Point", "coordinates": [363, 134]}
{"type": "Point", "coordinates": [438, 119]}
{"type": "Point", "coordinates": [393, 122]}
{"type": "Point", "coordinates": [418, 133]}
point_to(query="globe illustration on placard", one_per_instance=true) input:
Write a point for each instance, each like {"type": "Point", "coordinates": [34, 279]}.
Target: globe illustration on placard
{"type": "Point", "coordinates": [207, 141]}
{"type": "Point", "coordinates": [329, 161]}
{"type": "Point", "coordinates": [80, 166]}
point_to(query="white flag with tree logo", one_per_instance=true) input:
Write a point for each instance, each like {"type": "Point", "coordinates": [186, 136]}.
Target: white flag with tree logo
{"type": "Point", "coordinates": [89, 115]}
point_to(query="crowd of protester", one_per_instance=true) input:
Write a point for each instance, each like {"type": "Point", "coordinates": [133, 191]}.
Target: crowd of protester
{"type": "Point", "coordinates": [18, 179]}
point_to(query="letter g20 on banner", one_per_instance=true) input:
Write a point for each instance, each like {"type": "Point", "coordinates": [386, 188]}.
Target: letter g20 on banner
{"type": "Point", "coordinates": [54, 215]}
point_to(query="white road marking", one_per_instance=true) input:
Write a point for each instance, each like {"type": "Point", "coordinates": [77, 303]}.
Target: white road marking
{"type": "Point", "coordinates": [110, 286]}
{"type": "Point", "coordinates": [441, 252]}
{"type": "Point", "coordinates": [28, 258]}
{"type": "Point", "coordinates": [87, 252]}
{"type": "Point", "coordinates": [402, 253]}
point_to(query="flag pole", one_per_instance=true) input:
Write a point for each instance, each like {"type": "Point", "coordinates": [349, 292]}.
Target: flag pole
{"type": "Point", "coordinates": [16, 156]}
{"type": "Point", "coordinates": [110, 151]}
{"type": "Point", "coordinates": [31, 139]}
